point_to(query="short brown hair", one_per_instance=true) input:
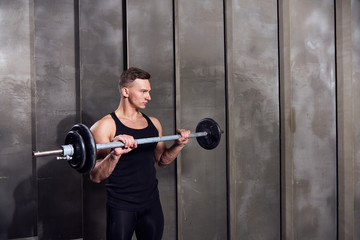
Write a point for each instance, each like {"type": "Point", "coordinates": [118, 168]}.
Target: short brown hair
{"type": "Point", "coordinates": [129, 75]}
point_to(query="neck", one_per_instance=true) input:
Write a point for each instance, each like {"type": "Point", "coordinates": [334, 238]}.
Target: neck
{"type": "Point", "coordinates": [126, 111]}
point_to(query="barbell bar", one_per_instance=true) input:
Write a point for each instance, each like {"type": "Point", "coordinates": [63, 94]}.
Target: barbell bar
{"type": "Point", "coordinates": [140, 141]}
{"type": "Point", "coordinates": [80, 149]}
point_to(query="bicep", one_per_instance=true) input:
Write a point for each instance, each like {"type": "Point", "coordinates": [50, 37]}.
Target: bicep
{"type": "Point", "coordinates": [101, 134]}
{"type": "Point", "coordinates": [160, 147]}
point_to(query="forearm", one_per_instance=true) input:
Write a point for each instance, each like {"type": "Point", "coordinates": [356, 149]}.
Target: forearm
{"type": "Point", "coordinates": [103, 168]}
{"type": "Point", "coordinates": [170, 154]}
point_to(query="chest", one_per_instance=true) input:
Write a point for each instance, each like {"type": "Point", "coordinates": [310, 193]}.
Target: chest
{"type": "Point", "coordinates": [134, 124]}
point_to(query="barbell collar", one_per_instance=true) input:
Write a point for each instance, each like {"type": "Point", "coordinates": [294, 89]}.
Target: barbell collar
{"type": "Point", "coordinates": [66, 150]}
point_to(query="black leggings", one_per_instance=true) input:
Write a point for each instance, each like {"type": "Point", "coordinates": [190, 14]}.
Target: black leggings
{"type": "Point", "coordinates": [147, 223]}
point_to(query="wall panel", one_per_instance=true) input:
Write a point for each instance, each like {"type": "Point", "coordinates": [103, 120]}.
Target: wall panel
{"type": "Point", "coordinates": [151, 47]}
{"type": "Point", "coordinates": [200, 82]}
{"type": "Point", "coordinates": [101, 60]}
{"type": "Point", "coordinates": [59, 186]}
{"type": "Point", "coordinates": [345, 117]}
{"type": "Point", "coordinates": [17, 188]}
{"type": "Point", "coordinates": [355, 23]}
{"type": "Point", "coordinates": [312, 121]}
{"type": "Point", "coordinates": [253, 95]}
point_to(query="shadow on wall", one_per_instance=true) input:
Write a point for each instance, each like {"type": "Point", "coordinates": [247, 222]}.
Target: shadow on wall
{"type": "Point", "coordinates": [49, 205]}
{"type": "Point", "coordinates": [24, 216]}
{"type": "Point", "coordinates": [94, 201]}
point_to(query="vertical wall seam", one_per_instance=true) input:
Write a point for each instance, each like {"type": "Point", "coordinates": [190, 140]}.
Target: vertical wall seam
{"type": "Point", "coordinates": [125, 35]}
{"type": "Point", "coordinates": [177, 195]}
{"type": "Point", "coordinates": [280, 124]}
{"type": "Point", "coordinates": [77, 60]}
{"type": "Point", "coordinates": [78, 84]}
{"type": "Point", "coordinates": [230, 158]}
{"type": "Point", "coordinates": [226, 121]}
{"type": "Point", "coordinates": [33, 112]}
{"type": "Point", "coordinates": [336, 124]}
{"type": "Point", "coordinates": [286, 119]}
{"type": "Point", "coordinates": [344, 121]}
{"type": "Point", "coordinates": [177, 90]}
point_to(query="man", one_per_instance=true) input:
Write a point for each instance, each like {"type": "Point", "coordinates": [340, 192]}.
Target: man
{"type": "Point", "coordinates": [133, 202]}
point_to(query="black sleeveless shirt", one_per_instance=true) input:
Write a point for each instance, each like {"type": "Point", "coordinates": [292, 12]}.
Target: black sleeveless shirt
{"type": "Point", "coordinates": [133, 184]}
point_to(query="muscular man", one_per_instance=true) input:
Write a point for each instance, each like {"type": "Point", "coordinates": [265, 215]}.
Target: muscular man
{"type": "Point", "coordinates": [133, 203]}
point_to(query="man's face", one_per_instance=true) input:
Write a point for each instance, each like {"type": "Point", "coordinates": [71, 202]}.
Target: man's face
{"type": "Point", "coordinates": [139, 93]}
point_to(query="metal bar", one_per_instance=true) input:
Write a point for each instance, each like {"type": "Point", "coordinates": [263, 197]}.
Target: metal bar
{"type": "Point", "coordinates": [48, 153]}
{"type": "Point", "coordinates": [148, 140]}
{"type": "Point", "coordinates": [115, 144]}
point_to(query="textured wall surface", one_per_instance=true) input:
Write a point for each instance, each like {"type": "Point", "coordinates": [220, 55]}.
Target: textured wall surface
{"type": "Point", "coordinates": [355, 77]}
{"type": "Point", "coordinates": [17, 189]}
{"type": "Point", "coordinates": [281, 78]}
{"type": "Point", "coordinates": [253, 100]}
{"type": "Point", "coordinates": [312, 60]}
{"type": "Point", "coordinates": [59, 187]}
{"type": "Point", "coordinates": [348, 32]}
{"type": "Point", "coordinates": [308, 108]}
{"type": "Point", "coordinates": [200, 80]}
{"type": "Point", "coordinates": [150, 46]}
{"type": "Point", "coordinates": [101, 62]}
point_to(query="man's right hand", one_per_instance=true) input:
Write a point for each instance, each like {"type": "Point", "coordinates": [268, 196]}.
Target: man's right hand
{"type": "Point", "coordinates": [129, 144]}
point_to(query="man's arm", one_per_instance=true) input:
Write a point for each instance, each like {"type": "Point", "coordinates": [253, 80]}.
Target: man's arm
{"type": "Point", "coordinates": [163, 155]}
{"type": "Point", "coordinates": [103, 130]}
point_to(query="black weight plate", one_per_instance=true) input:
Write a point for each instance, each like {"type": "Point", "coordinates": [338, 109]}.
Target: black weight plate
{"type": "Point", "coordinates": [212, 139]}
{"type": "Point", "coordinates": [90, 147]}
{"type": "Point", "coordinates": [78, 158]}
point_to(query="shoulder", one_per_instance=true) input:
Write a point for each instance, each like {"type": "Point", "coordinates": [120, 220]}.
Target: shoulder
{"type": "Point", "coordinates": [156, 123]}
{"type": "Point", "coordinates": [106, 121]}
{"type": "Point", "coordinates": [104, 127]}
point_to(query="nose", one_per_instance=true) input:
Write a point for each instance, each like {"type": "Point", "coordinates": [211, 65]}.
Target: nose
{"type": "Point", "coordinates": [148, 97]}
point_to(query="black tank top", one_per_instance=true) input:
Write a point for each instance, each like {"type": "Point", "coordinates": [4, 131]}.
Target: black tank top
{"type": "Point", "coordinates": [133, 184]}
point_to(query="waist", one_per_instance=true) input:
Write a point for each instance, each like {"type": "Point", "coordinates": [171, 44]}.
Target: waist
{"type": "Point", "coordinates": [131, 199]}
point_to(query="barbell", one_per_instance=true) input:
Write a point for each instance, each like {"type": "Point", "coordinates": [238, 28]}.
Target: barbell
{"type": "Point", "coordinates": [80, 149]}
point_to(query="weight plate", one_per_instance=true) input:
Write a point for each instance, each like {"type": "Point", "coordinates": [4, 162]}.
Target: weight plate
{"type": "Point", "coordinates": [90, 146]}
{"type": "Point", "coordinates": [79, 157]}
{"type": "Point", "coordinates": [212, 139]}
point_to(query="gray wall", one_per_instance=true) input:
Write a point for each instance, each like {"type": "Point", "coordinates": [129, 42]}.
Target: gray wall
{"type": "Point", "coordinates": [253, 118]}
{"type": "Point", "coordinates": [18, 203]}
{"type": "Point", "coordinates": [281, 78]}
{"type": "Point", "coordinates": [309, 119]}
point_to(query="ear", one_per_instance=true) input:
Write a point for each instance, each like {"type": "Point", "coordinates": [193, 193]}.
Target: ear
{"type": "Point", "coordinates": [125, 92]}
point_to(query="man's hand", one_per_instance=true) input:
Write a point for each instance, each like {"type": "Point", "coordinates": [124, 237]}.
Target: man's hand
{"type": "Point", "coordinates": [129, 144]}
{"type": "Point", "coordinates": [183, 140]}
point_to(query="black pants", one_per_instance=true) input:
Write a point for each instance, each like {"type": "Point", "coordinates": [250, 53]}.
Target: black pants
{"type": "Point", "coordinates": [147, 223]}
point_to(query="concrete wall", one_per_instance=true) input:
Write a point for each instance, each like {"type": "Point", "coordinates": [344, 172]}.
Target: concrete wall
{"type": "Point", "coordinates": [308, 107]}
{"type": "Point", "coordinates": [253, 118]}
{"type": "Point", "coordinates": [17, 180]}
{"type": "Point", "coordinates": [281, 78]}
{"type": "Point", "coordinates": [348, 76]}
